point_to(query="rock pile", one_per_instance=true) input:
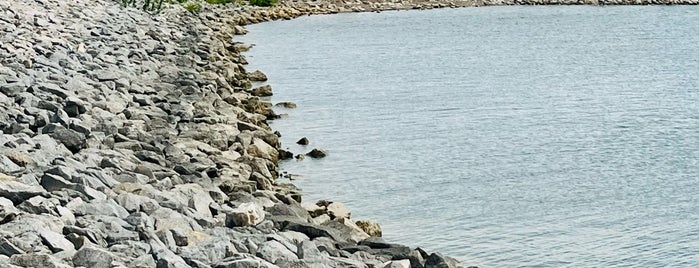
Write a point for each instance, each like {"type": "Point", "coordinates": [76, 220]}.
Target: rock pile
{"type": "Point", "coordinates": [131, 140]}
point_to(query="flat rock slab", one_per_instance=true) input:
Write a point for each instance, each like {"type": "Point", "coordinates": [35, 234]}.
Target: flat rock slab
{"type": "Point", "coordinates": [18, 191]}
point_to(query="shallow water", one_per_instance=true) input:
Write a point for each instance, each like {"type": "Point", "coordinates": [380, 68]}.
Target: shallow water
{"type": "Point", "coordinates": [504, 136]}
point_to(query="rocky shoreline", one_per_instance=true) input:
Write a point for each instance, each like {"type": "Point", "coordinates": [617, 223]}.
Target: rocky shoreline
{"type": "Point", "coordinates": [137, 140]}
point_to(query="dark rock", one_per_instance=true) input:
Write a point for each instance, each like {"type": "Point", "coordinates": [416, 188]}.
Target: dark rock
{"type": "Point", "coordinates": [9, 249]}
{"type": "Point", "coordinates": [12, 89]}
{"type": "Point", "coordinates": [37, 205]}
{"type": "Point", "coordinates": [284, 155]}
{"type": "Point", "coordinates": [303, 141]}
{"type": "Point", "coordinates": [71, 139]}
{"type": "Point", "coordinates": [375, 242]}
{"type": "Point", "coordinates": [286, 104]}
{"type": "Point", "coordinates": [313, 231]}
{"type": "Point", "coordinates": [437, 260]}
{"type": "Point", "coordinates": [317, 153]}
{"type": "Point", "coordinates": [53, 89]}
{"type": "Point", "coordinates": [74, 107]}
{"type": "Point", "coordinates": [93, 257]}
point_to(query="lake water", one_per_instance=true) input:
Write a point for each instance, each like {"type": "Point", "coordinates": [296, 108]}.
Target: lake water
{"type": "Point", "coordinates": [504, 136]}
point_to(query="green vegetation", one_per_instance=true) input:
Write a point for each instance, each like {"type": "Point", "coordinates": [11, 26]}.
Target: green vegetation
{"type": "Point", "coordinates": [220, 1]}
{"type": "Point", "coordinates": [151, 6]}
{"type": "Point", "coordinates": [154, 6]}
{"type": "Point", "coordinates": [192, 7]}
{"type": "Point", "coordinates": [263, 3]}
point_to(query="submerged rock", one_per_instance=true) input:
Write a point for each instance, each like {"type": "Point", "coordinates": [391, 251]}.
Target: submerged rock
{"type": "Point", "coordinates": [286, 104]}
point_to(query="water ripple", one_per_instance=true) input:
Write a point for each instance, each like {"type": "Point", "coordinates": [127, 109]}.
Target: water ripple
{"type": "Point", "coordinates": [504, 136]}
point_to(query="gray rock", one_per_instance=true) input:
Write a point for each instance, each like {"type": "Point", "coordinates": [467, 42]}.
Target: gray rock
{"type": "Point", "coordinates": [66, 215]}
{"type": "Point", "coordinates": [93, 257]}
{"type": "Point", "coordinates": [37, 205]}
{"type": "Point", "coordinates": [8, 211]}
{"type": "Point", "coordinates": [244, 261]}
{"type": "Point", "coordinates": [275, 252]}
{"type": "Point", "coordinates": [198, 198]}
{"type": "Point", "coordinates": [106, 208]}
{"type": "Point", "coordinates": [397, 264]}
{"type": "Point", "coordinates": [55, 241]}
{"type": "Point", "coordinates": [16, 191]}
{"type": "Point", "coordinates": [8, 166]}
{"type": "Point", "coordinates": [437, 260]}
{"type": "Point", "coordinates": [53, 89]}
{"type": "Point", "coordinates": [7, 248]}
{"type": "Point", "coordinates": [12, 89]}
{"type": "Point", "coordinates": [308, 251]}
{"type": "Point", "coordinates": [141, 220]}
{"type": "Point", "coordinates": [164, 257]}
{"type": "Point", "coordinates": [168, 240]}
{"type": "Point", "coordinates": [37, 260]}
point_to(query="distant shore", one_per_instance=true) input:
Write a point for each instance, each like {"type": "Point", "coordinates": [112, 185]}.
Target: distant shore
{"type": "Point", "coordinates": [291, 9]}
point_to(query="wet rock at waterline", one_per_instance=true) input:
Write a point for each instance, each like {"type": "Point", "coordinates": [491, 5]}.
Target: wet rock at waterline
{"type": "Point", "coordinates": [286, 104]}
{"type": "Point", "coordinates": [317, 153]}
{"type": "Point", "coordinates": [257, 76]}
{"type": "Point", "coordinates": [303, 141]}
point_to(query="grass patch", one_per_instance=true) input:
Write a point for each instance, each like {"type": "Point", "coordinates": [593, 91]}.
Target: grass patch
{"type": "Point", "coordinates": [263, 3]}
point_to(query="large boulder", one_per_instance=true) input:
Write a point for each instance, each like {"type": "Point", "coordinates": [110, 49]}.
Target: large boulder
{"type": "Point", "coordinates": [198, 198]}
{"type": "Point", "coordinates": [338, 210]}
{"type": "Point", "coordinates": [259, 148]}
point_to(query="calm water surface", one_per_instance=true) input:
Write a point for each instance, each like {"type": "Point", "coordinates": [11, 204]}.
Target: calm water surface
{"type": "Point", "coordinates": [504, 136]}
